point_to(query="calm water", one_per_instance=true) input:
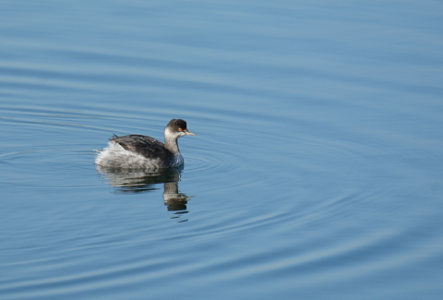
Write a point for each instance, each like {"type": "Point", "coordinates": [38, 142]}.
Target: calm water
{"type": "Point", "coordinates": [316, 171]}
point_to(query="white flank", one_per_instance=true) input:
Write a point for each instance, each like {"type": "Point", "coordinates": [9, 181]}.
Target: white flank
{"type": "Point", "coordinates": [115, 156]}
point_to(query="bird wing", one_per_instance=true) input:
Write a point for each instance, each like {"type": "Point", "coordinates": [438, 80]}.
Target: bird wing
{"type": "Point", "coordinates": [144, 145]}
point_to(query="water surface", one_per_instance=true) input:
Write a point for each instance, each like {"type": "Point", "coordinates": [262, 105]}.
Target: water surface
{"type": "Point", "coordinates": [316, 171]}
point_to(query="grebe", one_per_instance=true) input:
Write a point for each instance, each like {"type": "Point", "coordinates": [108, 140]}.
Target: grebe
{"type": "Point", "coordinates": [144, 152]}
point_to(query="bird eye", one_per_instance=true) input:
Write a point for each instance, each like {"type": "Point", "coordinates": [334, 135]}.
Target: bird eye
{"type": "Point", "coordinates": [180, 129]}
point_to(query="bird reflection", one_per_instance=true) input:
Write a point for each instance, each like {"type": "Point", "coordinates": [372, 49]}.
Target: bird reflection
{"type": "Point", "coordinates": [139, 181]}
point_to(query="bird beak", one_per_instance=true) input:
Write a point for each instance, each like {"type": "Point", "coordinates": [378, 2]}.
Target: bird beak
{"type": "Point", "coordinates": [187, 132]}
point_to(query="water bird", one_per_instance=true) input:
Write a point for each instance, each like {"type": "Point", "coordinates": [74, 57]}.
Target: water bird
{"type": "Point", "coordinates": [144, 152]}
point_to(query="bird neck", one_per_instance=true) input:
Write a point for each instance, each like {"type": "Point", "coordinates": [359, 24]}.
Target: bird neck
{"type": "Point", "coordinates": [171, 144]}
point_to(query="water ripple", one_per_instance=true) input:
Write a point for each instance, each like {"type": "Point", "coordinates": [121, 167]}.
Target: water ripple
{"type": "Point", "coordinates": [314, 172]}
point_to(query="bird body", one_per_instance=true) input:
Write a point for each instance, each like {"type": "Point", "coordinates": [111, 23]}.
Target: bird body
{"type": "Point", "coordinates": [144, 152]}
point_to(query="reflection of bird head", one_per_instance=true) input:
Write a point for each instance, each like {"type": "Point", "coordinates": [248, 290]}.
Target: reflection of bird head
{"type": "Point", "coordinates": [172, 198]}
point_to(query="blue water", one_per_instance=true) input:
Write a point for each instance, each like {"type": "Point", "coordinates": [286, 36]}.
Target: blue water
{"type": "Point", "coordinates": [316, 171]}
